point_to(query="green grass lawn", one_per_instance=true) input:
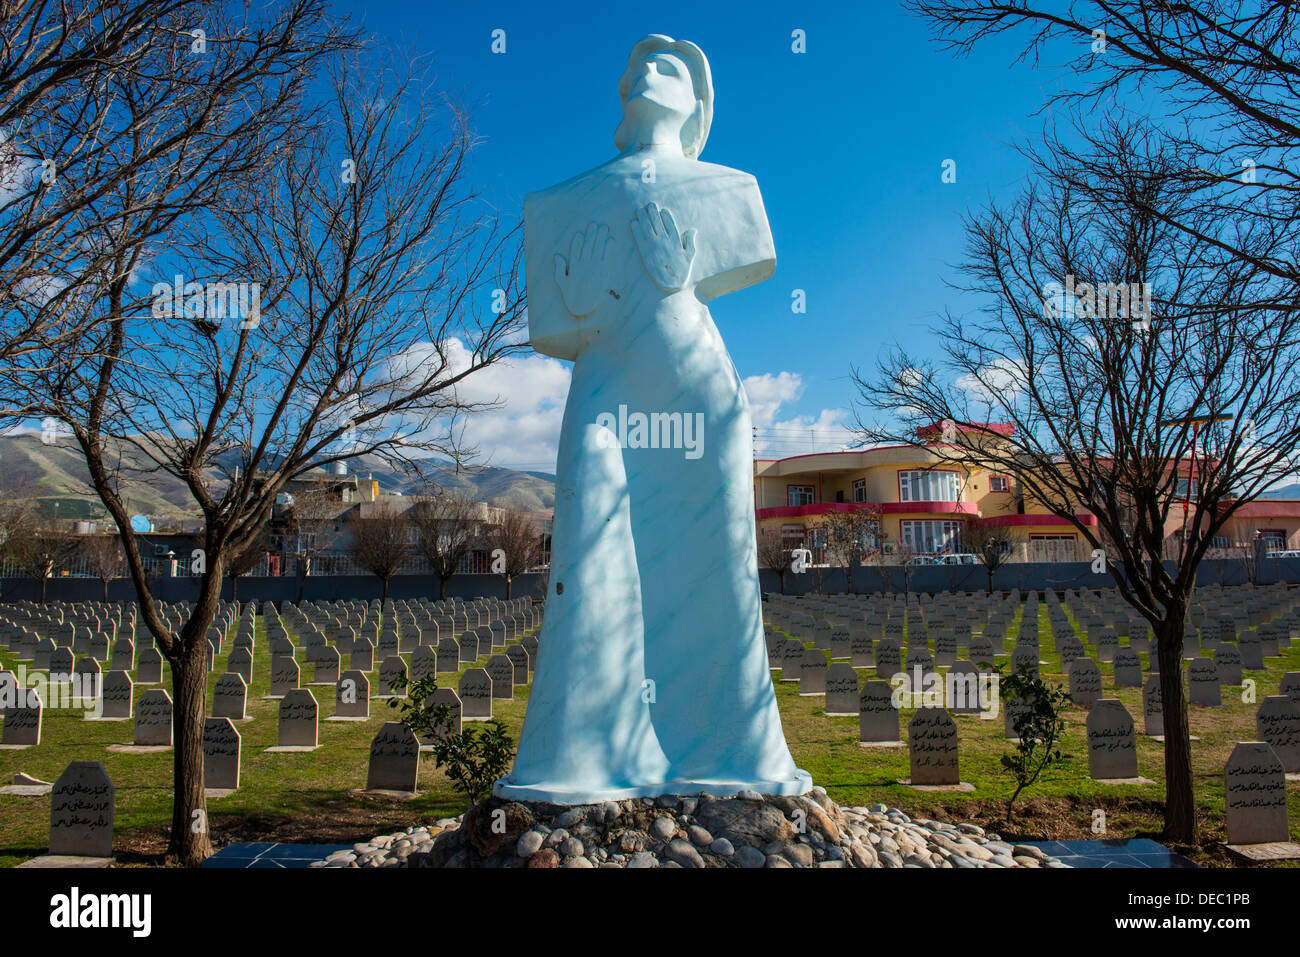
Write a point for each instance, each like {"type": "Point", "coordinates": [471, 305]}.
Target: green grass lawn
{"type": "Point", "coordinates": [282, 797]}
{"type": "Point", "coordinates": [313, 797]}
{"type": "Point", "coordinates": [1061, 805]}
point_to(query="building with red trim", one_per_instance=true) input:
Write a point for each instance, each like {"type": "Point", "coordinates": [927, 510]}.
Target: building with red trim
{"type": "Point", "coordinates": [928, 504]}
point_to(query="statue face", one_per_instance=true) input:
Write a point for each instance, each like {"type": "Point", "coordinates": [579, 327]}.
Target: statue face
{"type": "Point", "coordinates": [665, 82]}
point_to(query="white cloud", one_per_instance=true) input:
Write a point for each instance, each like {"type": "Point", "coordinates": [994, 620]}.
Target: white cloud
{"type": "Point", "coordinates": [998, 382]}
{"type": "Point", "coordinates": [824, 432]}
{"type": "Point", "coordinates": [523, 430]}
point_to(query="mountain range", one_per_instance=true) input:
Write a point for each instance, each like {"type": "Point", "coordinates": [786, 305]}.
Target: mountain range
{"type": "Point", "coordinates": [56, 473]}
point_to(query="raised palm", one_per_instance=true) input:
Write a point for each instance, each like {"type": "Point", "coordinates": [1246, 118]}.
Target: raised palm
{"type": "Point", "coordinates": [666, 252]}
{"type": "Point", "coordinates": [584, 276]}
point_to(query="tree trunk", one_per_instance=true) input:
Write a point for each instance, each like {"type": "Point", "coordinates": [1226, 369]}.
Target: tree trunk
{"type": "Point", "coordinates": [105, 581]}
{"type": "Point", "coordinates": [385, 590]}
{"type": "Point", "coordinates": [1180, 799]}
{"type": "Point", "coordinates": [189, 844]}
{"type": "Point", "coordinates": [44, 580]}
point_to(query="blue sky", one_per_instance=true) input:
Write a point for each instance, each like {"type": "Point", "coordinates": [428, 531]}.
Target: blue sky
{"type": "Point", "coordinates": [847, 141]}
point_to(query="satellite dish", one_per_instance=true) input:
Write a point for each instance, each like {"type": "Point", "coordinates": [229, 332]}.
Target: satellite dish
{"type": "Point", "coordinates": [141, 523]}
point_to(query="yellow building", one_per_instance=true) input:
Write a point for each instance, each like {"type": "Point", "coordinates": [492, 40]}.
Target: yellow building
{"type": "Point", "coordinates": [929, 506]}
{"type": "Point", "coordinates": [926, 504]}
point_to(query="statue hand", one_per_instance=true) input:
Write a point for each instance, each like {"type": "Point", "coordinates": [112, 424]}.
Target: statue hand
{"type": "Point", "coordinates": [666, 253]}
{"type": "Point", "coordinates": [584, 276]}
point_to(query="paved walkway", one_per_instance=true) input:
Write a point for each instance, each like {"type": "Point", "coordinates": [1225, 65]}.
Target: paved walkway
{"type": "Point", "coordinates": [1132, 852]}
{"type": "Point", "coordinates": [272, 855]}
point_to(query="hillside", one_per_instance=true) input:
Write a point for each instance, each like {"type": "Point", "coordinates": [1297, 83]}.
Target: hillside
{"type": "Point", "coordinates": [57, 473]}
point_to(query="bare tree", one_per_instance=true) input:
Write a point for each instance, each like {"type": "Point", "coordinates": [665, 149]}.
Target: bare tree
{"type": "Point", "coordinates": [81, 187]}
{"type": "Point", "coordinates": [378, 283]}
{"type": "Point", "coordinates": [516, 545]}
{"type": "Point", "coordinates": [850, 535]}
{"type": "Point", "coordinates": [447, 525]}
{"type": "Point", "coordinates": [246, 561]}
{"type": "Point", "coordinates": [1112, 401]}
{"type": "Point", "coordinates": [381, 542]}
{"type": "Point", "coordinates": [773, 554]}
{"type": "Point", "coordinates": [103, 554]}
{"type": "Point", "coordinates": [1197, 203]}
{"type": "Point", "coordinates": [37, 544]}
{"type": "Point", "coordinates": [993, 545]}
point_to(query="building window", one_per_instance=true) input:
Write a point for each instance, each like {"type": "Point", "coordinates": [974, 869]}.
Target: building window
{"type": "Point", "coordinates": [931, 537]}
{"type": "Point", "coordinates": [1274, 540]}
{"type": "Point", "coordinates": [928, 486]}
{"type": "Point", "coordinates": [860, 490]}
{"type": "Point", "coordinates": [799, 494]}
{"type": "Point", "coordinates": [999, 483]}
{"type": "Point", "coordinates": [1180, 489]}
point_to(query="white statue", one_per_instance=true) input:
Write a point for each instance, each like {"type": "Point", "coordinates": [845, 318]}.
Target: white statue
{"type": "Point", "coordinates": [652, 673]}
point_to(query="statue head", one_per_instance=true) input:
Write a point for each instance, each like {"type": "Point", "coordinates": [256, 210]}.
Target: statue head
{"type": "Point", "coordinates": [667, 78]}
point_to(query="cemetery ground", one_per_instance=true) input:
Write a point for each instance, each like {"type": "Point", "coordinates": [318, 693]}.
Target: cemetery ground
{"type": "Point", "coordinates": [316, 797]}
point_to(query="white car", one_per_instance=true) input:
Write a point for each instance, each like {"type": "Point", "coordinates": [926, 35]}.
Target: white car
{"type": "Point", "coordinates": [962, 558]}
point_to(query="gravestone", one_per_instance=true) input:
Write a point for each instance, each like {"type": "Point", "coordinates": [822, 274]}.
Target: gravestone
{"type": "Point", "coordinates": [286, 676]}
{"type": "Point", "coordinates": [352, 695]}
{"type": "Point", "coordinates": [1228, 660]}
{"type": "Point", "coordinates": [1251, 650]}
{"type": "Point", "coordinates": [1203, 683]}
{"type": "Point", "coordinates": [842, 689]}
{"type": "Point", "coordinates": [1278, 724]}
{"type": "Point", "coordinates": [932, 744]}
{"type": "Point", "coordinates": [1290, 686]}
{"type": "Point", "coordinates": [467, 648]}
{"type": "Point", "coordinates": [394, 759]}
{"type": "Point", "coordinates": [230, 697]}
{"type": "Point", "coordinates": [1112, 745]}
{"type": "Point", "coordinates": [475, 693]}
{"type": "Point", "coordinates": [115, 692]}
{"type": "Point", "coordinates": [149, 668]}
{"type": "Point", "coordinates": [964, 693]}
{"type": "Point", "coordinates": [1255, 795]}
{"type": "Point", "coordinates": [362, 656]}
{"type": "Point", "coordinates": [1153, 708]}
{"type": "Point", "coordinates": [392, 671]}
{"type": "Point", "coordinates": [1024, 657]}
{"type": "Point", "coordinates": [448, 656]}
{"type": "Point", "coordinates": [877, 716]}
{"type": "Point", "coordinates": [841, 644]}
{"type": "Point", "coordinates": [444, 697]}
{"type": "Point", "coordinates": [123, 655]}
{"type": "Point", "coordinates": [860, 649]}
{"type": "Point", "coordinates": [81, 812]}
{"type": "Point", "coordinates": [424, 663]}
{"type": "Point", "coordinates": [812, 672]}
{"type": "Point", "coordinates": [298, 720]}
{"type": "Point", "coordinates": [791, 659]}
{"type": "Point", "coordinates": [22, 723]}
{"type": "Point", "coordinates": [153, 719]}
{"type": "Point", "coordinates": [501, 671]}
{"type": "Point", "coordinates": [327, 662]}
{"type": "Point", "coordinates": [1128, 668]}
{"type": "Point", "coordinates": [889, 658]}
{"type": "Point", "coordinates": [240, 662]}
{"type": "Point", "coordinates": [518, 656]}
{"type": "Point", "coordinates": [1012, 709]}
{"type": "Point", "coordinates": [221, 747]}
{"type": "Point", "coordinates": [1085, 682]}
